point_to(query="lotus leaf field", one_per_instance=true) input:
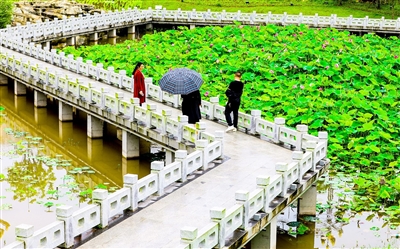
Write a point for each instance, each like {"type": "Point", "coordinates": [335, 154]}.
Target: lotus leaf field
{"type": "Point", "coordinates": [327, 79]}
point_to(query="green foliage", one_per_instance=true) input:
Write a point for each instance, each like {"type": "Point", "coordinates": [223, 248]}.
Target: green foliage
{"type": "Point", "coordinates": [329, 80]}
{"type": "Point", "coordinates": [6, 10]}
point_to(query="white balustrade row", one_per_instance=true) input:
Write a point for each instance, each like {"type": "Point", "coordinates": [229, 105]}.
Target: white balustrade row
{"type": "Point", "coordinates": [248, 204]}
{"type": "Point", "coordinates": [106, 206]}
{"type": "Point", "coordinates": [76, 25]}
{"type": "Point", "coordinates": [117, 105]}
{"type": "Point", "coordinates": [77, 65]}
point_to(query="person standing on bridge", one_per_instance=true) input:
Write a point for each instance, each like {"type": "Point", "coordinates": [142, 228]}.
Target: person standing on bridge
{"type": "Point", "coordinates": [234, 93]}
{"type": "Point", "coordinates": [139, 87]}
{"type": "Point", "coordinates": [191, 106]}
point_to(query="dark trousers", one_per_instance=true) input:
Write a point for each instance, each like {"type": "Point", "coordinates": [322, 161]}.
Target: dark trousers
{"type": "Point", "coordinates": [229, 108]}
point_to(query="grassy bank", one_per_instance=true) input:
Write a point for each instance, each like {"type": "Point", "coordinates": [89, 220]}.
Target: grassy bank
{"type": "Point", "coordinates": [323, 8]}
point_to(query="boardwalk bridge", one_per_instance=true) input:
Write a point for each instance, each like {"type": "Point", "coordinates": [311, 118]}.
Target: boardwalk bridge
{"type": "Point", "coordinates": [213, 190]}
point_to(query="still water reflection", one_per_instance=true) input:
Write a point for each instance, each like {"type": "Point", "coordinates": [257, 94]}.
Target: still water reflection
{"type": "Point", "coordinates": [47, 163]}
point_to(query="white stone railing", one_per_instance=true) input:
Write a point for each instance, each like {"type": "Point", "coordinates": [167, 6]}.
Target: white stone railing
{"type": "Point", "coordinates": [107, 20]}
{"type": "Point", "coordinates": [120, 105]}
{"type": "Point", "coordinates": [226, 220]}
{"type": "Point", "coordinates": [106, 206]}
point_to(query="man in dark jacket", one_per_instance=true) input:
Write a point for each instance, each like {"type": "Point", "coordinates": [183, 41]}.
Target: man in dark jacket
{"type": "Point", "coordinates": [234, 93]}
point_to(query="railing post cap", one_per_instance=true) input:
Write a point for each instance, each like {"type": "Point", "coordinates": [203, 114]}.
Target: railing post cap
{"type": "Point", "coordinates": [242, 195]}
{"type": "Point", "coordinates": [263, 180]}
{"type": "Point", "coordinates": [201, 143]}
{"type": "Point", "coordinates": [80, 59]}
{"type": "Point", "coordinates": [151, 107]}
{"type": "Point", "coordinates": [181, 154]}
{"type": "Point", "coordinates": [122, 72]}
{"type": "Point", "coordinates": [302, 128]}
{"type": "Point", "coordinates": [24, 230]}
{"type": "Point", "coordinates": [323, 134]}
{"type": "Point", "coordinates": [166, 112]}
{"type": "Point", "coordinates": [183, 119]}
{"type": "Point", "coordinates": [297, 155]}
{"type": "Point", "coordinates": [219, 134]}
{"type": "Point", "coordinates": [135, 101]}
{"type": "Point", "coordinates": [130, 178]}
{"type": "Point", "coordinates": [279, 121]}
{"type": "Point", "coordinates": [214, 100]}
{"type": "Point", "coordinates": [157, 165]}
{"type": "Point", "coordinates": [189, 233]}
{"type": "Point", "coordinates": [64, 211]}
{"type": "Point", "coordinates": [256, 113]}
{"type": "Point", "coordinates": [217, 213]}
{"type": "Point", "coordinates": [100, 194]}
{"type": "Point", "coordinates": [281, 167]}
{"type": "Point", "coordinates": [201, 125]}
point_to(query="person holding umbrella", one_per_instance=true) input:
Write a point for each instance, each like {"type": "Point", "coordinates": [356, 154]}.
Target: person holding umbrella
{"type": "Point", "coordinates": [186, 82]}
{"type": "Point", "coordinates": [191, 106]}
{"type": "Point", "coordinates": [139, 87]}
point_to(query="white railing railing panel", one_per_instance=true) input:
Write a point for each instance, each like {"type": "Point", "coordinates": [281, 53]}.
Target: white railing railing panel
{"type": "Point", "coordinates": [118, 201]}
{"type": "Point", "coordinates": [50, 236]}
{"type": "Point", "coordinates": [147, 186]}
{"type": "Point", "coordinates": [85, 219]}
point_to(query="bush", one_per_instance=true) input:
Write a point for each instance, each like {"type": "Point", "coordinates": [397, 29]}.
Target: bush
{"type": "Point", "coordinates": [6, 10]}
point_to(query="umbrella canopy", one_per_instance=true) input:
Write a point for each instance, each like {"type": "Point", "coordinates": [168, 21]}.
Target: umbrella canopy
{"type": "Point", "coordinates": [181, 81]}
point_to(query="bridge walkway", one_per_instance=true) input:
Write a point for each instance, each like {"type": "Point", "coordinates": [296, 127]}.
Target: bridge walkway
{"type": "Point", "coordinates": [158, 225]}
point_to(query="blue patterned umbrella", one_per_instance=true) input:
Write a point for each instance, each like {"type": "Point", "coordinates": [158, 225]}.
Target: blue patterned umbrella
{"type": "Point", "coordinates": [181, 81]}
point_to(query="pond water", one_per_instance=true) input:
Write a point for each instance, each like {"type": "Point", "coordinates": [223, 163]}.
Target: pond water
{"type": "Point", "coordinates": [48, 163]}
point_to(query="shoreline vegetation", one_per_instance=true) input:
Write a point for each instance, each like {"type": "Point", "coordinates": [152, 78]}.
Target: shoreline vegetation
{"type": "Point", "coordinates": [358, 9]}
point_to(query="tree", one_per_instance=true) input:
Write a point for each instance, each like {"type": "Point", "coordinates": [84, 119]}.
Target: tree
{"type": "Point", "coordinates": [6, 10]}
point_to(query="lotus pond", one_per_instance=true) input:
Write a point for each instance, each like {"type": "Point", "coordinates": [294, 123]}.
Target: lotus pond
{"type": "Point", "coordinates": [327, 79]}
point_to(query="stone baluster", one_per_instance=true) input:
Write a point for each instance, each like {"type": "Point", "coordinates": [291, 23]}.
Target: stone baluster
{"type": "Point", "coordinates": [64, 213]}
{"type": "Point", "coordinates": [217, 215]}
{"type": "Point", "coordinates": [242, 198]}
{"type": "Point", "coordinates": [156, 167]}
{"type": "Point", "coordinates": [180, 156]}
{"type": "Point", "coordinates": [24, 232]}
{"type": "Point", "coordinates": [100, 196]}
{"type": "Point", "coordinates": [130, 181]}
{"type": "Point", "coordinates": [188, 234]}
{"type": "Point", "coordinates": [201, 144]}
{"type": "Point", "coordinates": [279, 122]}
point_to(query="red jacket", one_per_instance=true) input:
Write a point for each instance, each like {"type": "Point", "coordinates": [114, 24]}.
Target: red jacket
{"type": "Point", "coordinates": [138, 85]}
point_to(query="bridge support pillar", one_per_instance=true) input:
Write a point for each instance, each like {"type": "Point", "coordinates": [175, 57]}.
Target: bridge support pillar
{"type": "Point", "coordinates": [94, 37]}
{"type": "Point", "coordinates": [64, 112]}
{"type": "Point", "coordinates": [71, 41]}
{"type": "Point", "coordinates": [40, 115]}
{"type": "Point", "coordinates": [149, 26]}
{"type": "Point", "coordinates": [3, 80]}
{"type": "Point", "coordinates": [94, 148]}
{"type": "Point", "coordinates": [65, 130]}
{"type": "Point", "coordinates": [130, 145]}
{"type": "Point", "coordinates": [46, 45]}
{"type": "Point", "coordinates": [94, 127]}
{"type": "Point", "coordinates": [308, 201]}
{"type": "Point", "coordinates": [19, 88]}
{"type": "Point", "coordinates": [39, 99]}
{"type": "Point", "coordinates": [266, 239]}
{"type": "Point", "coordinates": [132, 30]}
{"type": "Point", "coordinates": [192, 26]}
{"type": "Point", "coordinates": [112, 33]}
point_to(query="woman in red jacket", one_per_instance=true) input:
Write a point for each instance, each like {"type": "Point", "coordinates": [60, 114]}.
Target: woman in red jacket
{"type": "Point", "coordinates": [139, 88]}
